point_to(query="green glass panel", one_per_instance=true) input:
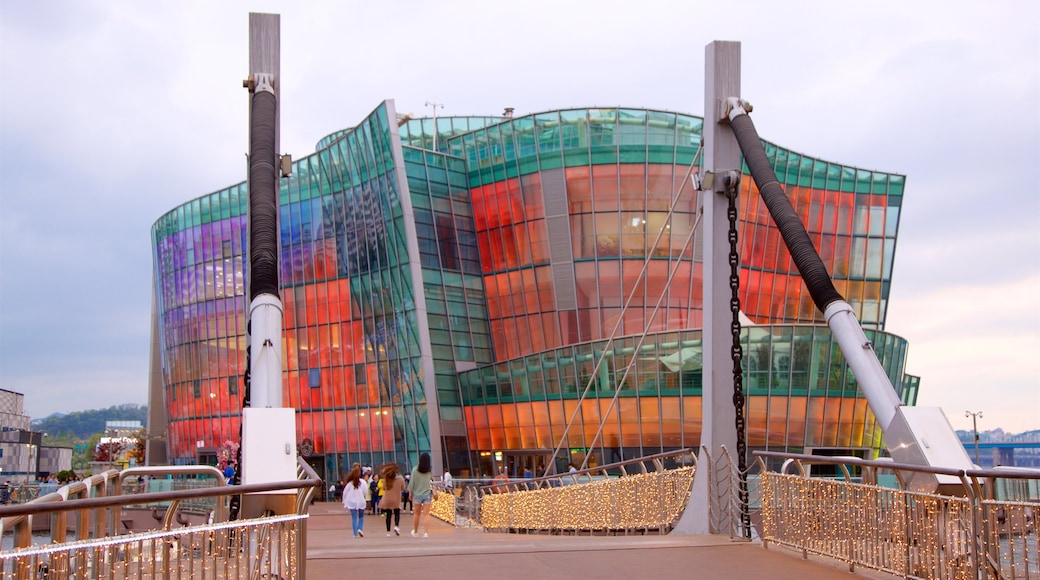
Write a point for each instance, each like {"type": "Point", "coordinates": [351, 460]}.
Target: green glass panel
{"type": "Point", "coordinates": [805, 172]}
{"type": "Point", "coordinates": [819, 178]}
{"type": "Point", "coordinates": [660, 154]}
{"type": "Point", "coordinates": [863, 180]}
{"type": "Point", "coordinates": [895, 185]}
{"type": "Point", "coordinates": [685, 155]}
{"type": "Point", "coordinates": [632, 154]}
{"type": "Point", "coordinates": [603, 155]}
{"type": "Point", "coordinates": [576, 158]}
{"type": "Point", "coordinates": [550, 161]}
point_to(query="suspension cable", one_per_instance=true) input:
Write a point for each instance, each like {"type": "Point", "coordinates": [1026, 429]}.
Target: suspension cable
{"type": "Point", "coordinates": [613, 333]}
{"type": "Point", "coordinates": [642, 337]}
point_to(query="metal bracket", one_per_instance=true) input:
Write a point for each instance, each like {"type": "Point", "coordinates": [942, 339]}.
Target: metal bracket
{"type": "Point", "coordinates": [721, 182]}
{"type": "Point", "coordinates": [259, 82]}
{"type": "Point", "coordinates": [734, 107]}
{"type": "Point", "coordinates": [285, 164]}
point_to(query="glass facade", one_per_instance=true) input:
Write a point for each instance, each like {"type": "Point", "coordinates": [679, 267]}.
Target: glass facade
{"type": "Point", "coordinates": [460, 301]}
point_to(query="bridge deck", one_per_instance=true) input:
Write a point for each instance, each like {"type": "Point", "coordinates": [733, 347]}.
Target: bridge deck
{"type": "Point", "coordinates": [333, 553]}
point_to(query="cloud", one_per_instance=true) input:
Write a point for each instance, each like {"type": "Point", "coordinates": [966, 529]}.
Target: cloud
{"type": "Point", "coordinates": [975, 347]}
{"type": "Point", "coordinates": [116, 112]}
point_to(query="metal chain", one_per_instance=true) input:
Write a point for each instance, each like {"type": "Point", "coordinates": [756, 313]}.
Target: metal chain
{"type": "Point", "coordinates": [737, 354]}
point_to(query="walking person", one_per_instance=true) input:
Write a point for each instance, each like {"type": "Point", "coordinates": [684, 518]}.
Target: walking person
{"type": "Point", "coordinates": [373, 487]}
{"type": "Point", "coordinates": [422, 494]}
{"type": "Point", "coordinates": [392, 485]}
{"type": "Point", "coordinates": [354, 500]}
{"type": "Point", "coordinates": [406, 498]}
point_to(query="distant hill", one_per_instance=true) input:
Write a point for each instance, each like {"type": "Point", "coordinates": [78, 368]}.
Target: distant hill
{"type": "Point", "coordinates": [83, 424]}
{"type": "Point", "coordinates": [34, 422]}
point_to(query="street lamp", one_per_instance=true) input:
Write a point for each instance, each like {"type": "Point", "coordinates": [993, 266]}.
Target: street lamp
{"type": "Point", "coordinates": [975, 427]}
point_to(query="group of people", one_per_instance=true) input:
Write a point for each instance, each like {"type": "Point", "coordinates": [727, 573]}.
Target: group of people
{"type": "Point", "coordinates": [391, 491]}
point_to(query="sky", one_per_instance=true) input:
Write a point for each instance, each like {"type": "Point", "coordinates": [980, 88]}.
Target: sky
{"type": "Point", "coordinates": [114, 112]}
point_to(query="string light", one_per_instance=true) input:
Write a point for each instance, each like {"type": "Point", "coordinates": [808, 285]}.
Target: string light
{"type": "Point", "coordinates": [639, 501]}
{"type": "Point", "coordinates": [443, 507]}
{"type": "Point", "coordinates": [265, 546]}
{"type": "Point", "coordinates": [901, 532]}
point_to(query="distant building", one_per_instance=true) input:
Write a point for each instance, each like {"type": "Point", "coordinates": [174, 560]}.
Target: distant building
{"type": "Point", "coordinates": [22, 455]}
{"type": "Point", "coordinates": [123, 433]}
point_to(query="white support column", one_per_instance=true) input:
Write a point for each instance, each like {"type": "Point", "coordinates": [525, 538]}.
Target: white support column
{"type": "Point", "coordinates": [268, 429]}
{"type": "Point", "coordinates": [721, 153]}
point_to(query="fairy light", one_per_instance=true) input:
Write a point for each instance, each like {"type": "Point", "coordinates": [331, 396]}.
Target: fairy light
{"type": "Point", "coordinates": [229, 549]}
{"type": "Point", "coordinates": [905, 533]}
{"type": "Point", "coordinates": [443, 507]}
{"type": "Point", "coordinates": [639, 501]}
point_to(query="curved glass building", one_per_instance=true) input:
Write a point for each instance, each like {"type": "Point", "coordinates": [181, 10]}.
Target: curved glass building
{"type": "Point", "coordinates": [492, 290]}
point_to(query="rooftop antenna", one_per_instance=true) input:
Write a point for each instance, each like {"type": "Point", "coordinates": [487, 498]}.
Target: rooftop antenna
{"type": "Point", "coordinates": [435, 107]}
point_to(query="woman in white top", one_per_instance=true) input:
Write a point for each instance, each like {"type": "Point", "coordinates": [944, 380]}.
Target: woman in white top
{"type": "Point", "coordinates": [354, 500]}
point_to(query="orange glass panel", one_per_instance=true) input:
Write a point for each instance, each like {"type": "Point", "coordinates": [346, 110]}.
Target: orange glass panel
{"type": "Point", "coordinates": [531, 187]}
{"type": "Point", "coordinates": [814, 421]}
{"type": "Point", "coordinates": [632, 188]}
{"type": "Point", "coordinates": [671, 422]}
{"type": "Point", "coordinates": [605, 188]}
{"type": "Point", "coordinates": [796, 421]}
{"type": "Point", "coordinates": [583, 235]}
{"type": "Point", "coordinates": [539, 241]}
{"type": "Point", "coordinates": [587, 287]}
{"type": "Point", "coordinates": [692, 421]}
{"type": "Point", "coordinates": [535, 330]}
{"type": "Point", "coordinates": [579, 190]}
{"type": "Point", "coordinates": [551, 329]}
{"type": "Point", "coordinates": [659, 186]}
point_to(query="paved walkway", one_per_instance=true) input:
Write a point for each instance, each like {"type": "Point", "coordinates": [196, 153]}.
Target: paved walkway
{"type": "Point", "coordinates": [452, 552]}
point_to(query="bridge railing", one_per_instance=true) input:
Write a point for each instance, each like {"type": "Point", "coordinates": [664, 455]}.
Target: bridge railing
{"type": "Point", "coordinates": [984, 528]}
{"type": "Point", "coordinates": [634, 496]}
{"type": "Point", "coordinates": [245, 548]}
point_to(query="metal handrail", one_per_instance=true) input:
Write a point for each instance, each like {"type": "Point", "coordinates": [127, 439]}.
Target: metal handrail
{"type": "Point", "coordinates": [823, 459]}
{"type": "Point", "coordinates": [159, 496]}
{"type": "Point", "coordinates": [538, 482]}
{"type": "Point", "coordinates": [985, 549]}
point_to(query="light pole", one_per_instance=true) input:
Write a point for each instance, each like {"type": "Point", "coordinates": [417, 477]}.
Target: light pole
{"type": "Point", "coordinates": [975, 427]}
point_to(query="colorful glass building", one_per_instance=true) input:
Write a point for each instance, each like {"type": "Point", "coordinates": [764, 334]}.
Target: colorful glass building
{"type": "Point", "coordinates": [462, 290]}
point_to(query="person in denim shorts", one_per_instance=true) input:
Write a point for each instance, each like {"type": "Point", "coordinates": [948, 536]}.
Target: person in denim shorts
{"type": "Point", "coordinates": [421, 492]}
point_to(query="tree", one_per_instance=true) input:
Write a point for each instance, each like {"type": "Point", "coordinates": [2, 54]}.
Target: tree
{"type": "Point", "coordinates": [108, 452]}
{"type": "Point", "coordinates": [83, 423]}
{"type": "Point", "coordinates": [136, 453]}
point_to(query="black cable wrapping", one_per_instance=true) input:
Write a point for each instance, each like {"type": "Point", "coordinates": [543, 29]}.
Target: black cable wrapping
{"type": "Point", "coordinates": [263, 198]}
{"type": "Point", "coordinates": [804, 254]}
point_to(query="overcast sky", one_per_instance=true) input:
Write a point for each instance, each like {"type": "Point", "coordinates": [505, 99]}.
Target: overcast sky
{"type": "Point", "coordinates": [114, 112]}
